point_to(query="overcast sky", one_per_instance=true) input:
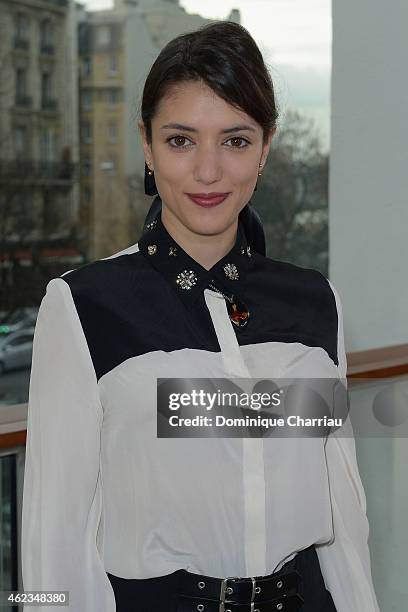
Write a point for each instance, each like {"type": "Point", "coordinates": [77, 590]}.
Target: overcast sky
{"type": "Point", "coordinates": [295, 39]}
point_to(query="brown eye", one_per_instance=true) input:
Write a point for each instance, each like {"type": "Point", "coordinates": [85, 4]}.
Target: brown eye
{"type": "Point", "coordinates": [179, 142]}
{"type": "Point", "coordinates": [238, 139]}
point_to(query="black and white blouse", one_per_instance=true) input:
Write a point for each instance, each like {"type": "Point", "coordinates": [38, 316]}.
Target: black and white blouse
{"type": "Point", "coordinates": [102, 493]}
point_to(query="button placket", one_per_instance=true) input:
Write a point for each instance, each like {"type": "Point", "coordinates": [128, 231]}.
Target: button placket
{"type": "Point", "coordinates": [253, 469]}
{"type": "Point", "coordinates": [234, 364]}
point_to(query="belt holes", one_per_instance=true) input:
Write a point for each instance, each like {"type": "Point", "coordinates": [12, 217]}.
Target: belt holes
{"type": "Point", "coordinates": [257, 589]}
{"type": "Point", "coordinates": [201, 584]}
{"type": "Point", "coordinates": [200, 607]}
{"type": "Point", "coordinates": [279, 584]}
{"type": "Point", "coordinates": [279, 606]}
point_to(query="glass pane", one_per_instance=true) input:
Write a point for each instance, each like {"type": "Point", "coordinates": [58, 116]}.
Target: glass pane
{"type": "Point", "coordinates": [8, 526]}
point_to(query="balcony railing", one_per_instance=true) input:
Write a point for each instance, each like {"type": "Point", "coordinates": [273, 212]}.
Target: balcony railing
{"type": "Point", "coordinates": [34, 171]}
{"type": "Point", "coordinates": [378, 363]}
{"type": "Point", "coordinates": [48, 104]}
{"type": "Point", "coordinates": [21, 43]}
{"type": "Point", "coordinates": [47, 48]}
{"type": "Point", "coordinates": [24, 101]}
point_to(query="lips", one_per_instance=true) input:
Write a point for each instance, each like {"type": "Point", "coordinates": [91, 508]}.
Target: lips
{"type": "Point", "coordinates": [208, 200]}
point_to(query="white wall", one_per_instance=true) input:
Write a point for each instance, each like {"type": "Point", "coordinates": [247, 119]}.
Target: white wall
{"type": "Point", "coordinates": [369, 170]}
{"type": "Point", "coordinates": [368, 243]}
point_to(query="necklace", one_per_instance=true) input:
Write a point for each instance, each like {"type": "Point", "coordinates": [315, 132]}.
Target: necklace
{"type": "Point", "coordinates": [237, 311]}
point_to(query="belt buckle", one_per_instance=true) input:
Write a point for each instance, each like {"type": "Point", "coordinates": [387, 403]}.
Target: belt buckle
{"type": "Point", "coordinates": [223, 589]}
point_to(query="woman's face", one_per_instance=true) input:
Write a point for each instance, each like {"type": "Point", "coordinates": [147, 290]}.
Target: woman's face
{"type": "Point", "coordinates": [217, 148]}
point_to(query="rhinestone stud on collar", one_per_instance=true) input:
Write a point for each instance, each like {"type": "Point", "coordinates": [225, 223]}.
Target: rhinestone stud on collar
{"type": "Point", "coordinates": [231, 271]}
{"type": "Point", "coordinates": [186, 279]}
{"type": "Point", "coordinates": [152, 249]}
{"type": "Point", "coordinates": [172, 250]}
{"type": "Point", "coordinates": [246, 251]}
{"type": "Point", "coordinates": [151, 225]}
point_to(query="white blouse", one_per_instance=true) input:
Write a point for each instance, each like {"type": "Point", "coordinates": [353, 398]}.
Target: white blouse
{"type": "Point", "coordinates": [102, 493]}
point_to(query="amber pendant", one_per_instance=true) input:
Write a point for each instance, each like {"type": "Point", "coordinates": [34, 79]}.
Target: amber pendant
{"type": "Point", "coordinates": [238, 311]}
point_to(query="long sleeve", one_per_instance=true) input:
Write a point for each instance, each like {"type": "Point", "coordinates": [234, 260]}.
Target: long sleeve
{"type": "Point", "coordinates": [62, 496]}
{"type": "Point", "coordinates": [345, 561]}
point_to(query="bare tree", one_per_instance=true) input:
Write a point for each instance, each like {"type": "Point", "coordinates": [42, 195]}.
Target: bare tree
{"type": "Point", "coordinates": [292, 195]}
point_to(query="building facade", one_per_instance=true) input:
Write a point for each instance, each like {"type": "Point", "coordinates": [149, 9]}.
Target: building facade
{"type": "Point", "coordinates": [116, 50]}
{"type": "Point", "coordinates": [38, 129]}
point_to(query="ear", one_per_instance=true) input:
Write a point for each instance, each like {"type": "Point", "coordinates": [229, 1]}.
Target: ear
{"type": "Point", "coordinates": [267, 145]}
{"type": "Point", "coordinates": [146, 147]}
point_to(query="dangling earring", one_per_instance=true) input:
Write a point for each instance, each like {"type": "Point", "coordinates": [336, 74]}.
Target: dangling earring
{"type": "Point", "coordinates": [149, 182]}
{"type": "Point", "coordinates": [259, 174]}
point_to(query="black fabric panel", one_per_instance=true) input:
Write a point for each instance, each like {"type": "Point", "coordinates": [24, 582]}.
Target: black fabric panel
{"type": "Point", "coordinates": [289, 304]}
{"type": "Point", "coordinates": [127, 308]}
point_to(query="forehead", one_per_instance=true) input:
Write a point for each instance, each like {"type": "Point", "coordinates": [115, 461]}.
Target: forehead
{"type": "Point", "coordinates": [197, 102]}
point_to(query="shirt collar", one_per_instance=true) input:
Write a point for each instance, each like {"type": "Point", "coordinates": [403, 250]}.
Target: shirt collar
{"type": "Point", "coordinates": [187, 277]}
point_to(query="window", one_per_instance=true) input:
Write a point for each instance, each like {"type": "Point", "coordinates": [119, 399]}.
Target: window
{"type": "Point", "coordinates": [20, 142]}
{"type": "Point", "coordinates": [86, 165]}
{"type": "Point", "coordinates": [45, 86]}
{"type": "Point", "coordinates": [112, 131]}
{"type": "Point", "coordinates": [86, 66]}
{"type": "Point", "coordinates": [86, 99]}
{"type": "Point", "coordinates": [46, 31]}
{"type": "Point", "coordinates": [103, 35]}
{"type": "Point", "coordinates": [47, 102]}
{"type": "Point", "coordinates": [21, 82]}
{"type": "Point", "coordinates": [87, 194]}
{"type": "Point", "coordinates": [112, 64]}
{"type": "Point", "coordinates": [86, 131]}
{"type": "Point", "coordinates": [47, 144]}
{"type": "Point", "coordinates": [113, 96]}
{"type": "Point", "coordinates": [22, 26]}
{"type": "Point", "coordinates": [22, 99]}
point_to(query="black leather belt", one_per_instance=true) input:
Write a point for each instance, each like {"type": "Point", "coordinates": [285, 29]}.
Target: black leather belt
{"type": "Point", "coordinates": [278, 592]}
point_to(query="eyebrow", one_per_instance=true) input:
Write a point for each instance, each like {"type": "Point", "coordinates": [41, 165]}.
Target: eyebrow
{"type": "Point", "coordinates": [186, 128]}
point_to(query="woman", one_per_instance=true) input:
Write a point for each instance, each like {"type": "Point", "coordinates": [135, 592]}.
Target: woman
{"type": "Point", "coordinates": [126, 519]}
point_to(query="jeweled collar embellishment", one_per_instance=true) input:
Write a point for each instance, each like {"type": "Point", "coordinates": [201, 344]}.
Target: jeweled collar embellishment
{"type": "Point", "coordinates": [186, 279]}
{"type": "Point", "coordinates": [189, 279]}
{"type": "Point", "coordinates": [231, 271]}
{"type": "Point", "coordinates": [152, 224]}
{"type": "Point", "coordinates": [238, 311]}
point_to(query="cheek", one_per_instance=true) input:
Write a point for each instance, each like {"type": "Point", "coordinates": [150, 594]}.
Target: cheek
{"type": "Point", "coordinates": [242, 172]}
{"type": "Point", "coordinates": [171, 167]}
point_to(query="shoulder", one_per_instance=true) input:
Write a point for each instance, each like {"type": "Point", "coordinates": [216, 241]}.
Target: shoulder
{"type": "Point", "coordinates": [307, 286]}
{"type": "Point", "coordinates": [302, 303]}
{"type": "Point", "coordinates": [102, 276]}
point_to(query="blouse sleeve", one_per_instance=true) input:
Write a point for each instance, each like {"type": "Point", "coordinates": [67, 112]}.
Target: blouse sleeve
{"type": "Point", "coordinates": [62, 489]}
{"type": "Point", "coordinates": [345, 561]}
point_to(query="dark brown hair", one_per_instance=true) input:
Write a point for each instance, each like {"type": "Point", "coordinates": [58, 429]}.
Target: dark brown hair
{"type": "Point", "coordinates": [226, 58]}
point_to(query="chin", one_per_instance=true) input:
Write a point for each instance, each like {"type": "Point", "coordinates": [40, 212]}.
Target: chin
{"type": "Point", "coordinates": [209, 221]}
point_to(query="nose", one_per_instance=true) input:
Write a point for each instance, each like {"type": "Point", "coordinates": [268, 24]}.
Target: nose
{"type": "Point", "coordinates": [207, 165]}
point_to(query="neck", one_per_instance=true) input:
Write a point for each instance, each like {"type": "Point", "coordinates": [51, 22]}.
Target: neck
{"type": "Point", "coordinates": [207, 250]}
